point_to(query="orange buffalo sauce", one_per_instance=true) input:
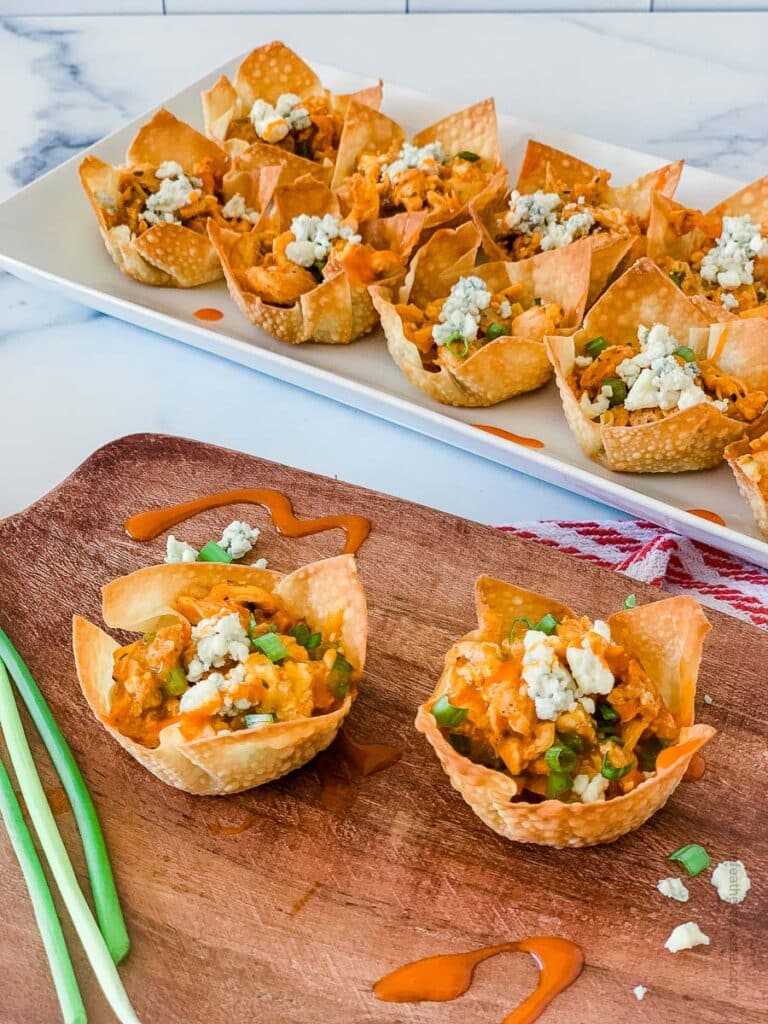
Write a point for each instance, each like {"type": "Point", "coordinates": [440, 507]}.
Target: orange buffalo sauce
{"type": "Point", "coordinates": [367, 758]}
{"type": "Point", "coordinates": [148, 525]}
{"type": "Point", "coordinates": [704, 513]}
{"type": "Point", "coordinates": [208, 313]}
{"type": "Point", "coordinates": [695, 769]}
{"type": "Point", "coordinates": [526, 442]}
{"type": "Point", "coordinates": [441, 978]}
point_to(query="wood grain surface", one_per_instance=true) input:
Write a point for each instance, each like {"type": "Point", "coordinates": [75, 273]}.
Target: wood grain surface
{"type": "Point", "coordinates": [339, 878]}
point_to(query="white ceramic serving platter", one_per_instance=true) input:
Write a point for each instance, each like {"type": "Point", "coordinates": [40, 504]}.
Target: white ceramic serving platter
{"type": "Point", "coordinates": [48, 235]}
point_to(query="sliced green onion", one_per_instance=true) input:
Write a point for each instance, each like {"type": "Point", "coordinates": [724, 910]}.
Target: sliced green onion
{"type": "Point", "coordinates": [685, 353]}
{"type": "Point", "coordinates": [147, 638]}
{"type": "Point", "coordinates": [460, 743]}
{"type": "Point", "coordinates": [495, 330]}
{"type": "Point", "coordinates": [630, 601]}
{"type": "Point", "coordinates": [213, 552]}
{"type": "Point", "coordinates": [446, 715]}
{"type": "Point", "coordinates": [560, 759]}
{"type": "Point", "coordinates": [271, 645]}
{"type": "Point", "coordinates": [512, 629]}
{"type": "Point", "coordinates": [70, 1001]}
{"type": "Point", "coordinates": [610, 771]}
{"type": "Point", "coordinates": [251, 720]}
{"type": "Point", "coordinates": [304, 636]}
{"type": "Point", "coordinates": [340, 676]}
{"type": "Point", "coordinates": [693, 857]}
{"type": "Point", "coordinates": [175, 682]}
{"type": "Point", "coordinates": [595, 346]}
{"type": "Point", "coordinates": [573, 741]}
{"type": "Point", "coordinates": [314, 641]}
{"type": "Point", "coordinates": [558, 783]}
{"type": "Point", "coordinates": [467, 154]}
{"type": "Point", "coordinates": [678, 276]}
{"type": "Point", "coordinates": [618, 390]}
{"type": "Point", "coordinates": [546, 625]}
{"type": "Point", "coordinates": [606, 713]}
{"type": "Point", "coordinates": [61, 868]}
{"type": "Point", "coordinates": [102, 880]}
{"type": "Point", "coordinates": [453, 341]}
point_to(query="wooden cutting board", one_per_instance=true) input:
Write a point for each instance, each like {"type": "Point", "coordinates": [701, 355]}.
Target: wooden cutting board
{"type": "Point", "coordinates": [340, 878]}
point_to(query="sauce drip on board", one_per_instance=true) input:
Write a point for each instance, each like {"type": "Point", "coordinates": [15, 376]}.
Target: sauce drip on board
{"type": "Point", "coordinates": [367, 758]}
{"type": "Point", "coordinates": [526, 442]}
{"type": "Point", "coordinates": [148, 525]}
{"type": "Point", "coordinates": [695, 769]}
{"type": "Point", "coordinates": [208, 313]}
{"type": "Point", "coordinates": [440, 978]}
{"type": "Point", "coordinates": [704, 513]}
{"type": "Point", "coordinates": [217, 828]}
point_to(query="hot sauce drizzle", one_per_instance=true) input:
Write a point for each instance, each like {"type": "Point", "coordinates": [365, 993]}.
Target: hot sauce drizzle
{"type": "Point", "coordinates": [218, 828]}
{"type": "Point", "coordinates": [367, 758]}
{"type": "Point", "coordinates": [526, 442]}
{"type": "Point", "coordinates": [704, 513]}
{"type": "Point", "coordinates": [440, 978]}
{"type": "Point", "coordinates": [208, 313]}
{"type": "Point", "coordinates": [148, 525]}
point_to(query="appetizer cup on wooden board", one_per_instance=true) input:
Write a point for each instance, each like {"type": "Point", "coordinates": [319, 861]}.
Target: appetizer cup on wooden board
{"type": "Point", "coordinates": [471, 335]}
{"type": "Point", "coordinates": [719, 258]}
{"type": "Point", "coordinates": [278, 109]}
{"type": "Point", "coordinates": [240, 675]}
{"type": "Point", "coordinates": [564, 732]}
{"type": "Point", "coordinates": [559, 199]}
{"type": "Point", "coordinates": [154, 209]}
{"type": "Point", "coordinates": [637, 387]}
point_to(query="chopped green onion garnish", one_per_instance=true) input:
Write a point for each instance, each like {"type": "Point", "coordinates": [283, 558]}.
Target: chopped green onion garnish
{"type": "Point", "coordinates": [630, 601]}
{"type": "Point", "coordinates": [105, 898]}
{"type": "Point", "coordinates": [606, 713]}
{"type": "Point", "coordinates": [618, 390]}
{"type": "Point", "coordinates": [251, 720]}
{"type": "Point", "coordinates": [610, 771]}
{"type": "Point", "coordinates": [595, 347]}
{"type": "Point", "coordinates": [693, 857]}
{"type": "Point", "coordinates": [314, 641]}
{"type": "Point", "coordinates": [647, 752]}
{"type": "Point", "coordinates": [573, 741]}
{"type": "Point", "coordinates": [304, 636]}
{"type": "Point", "coordinates": [213, 552]}
{"type": "Point", "coordinates": [457, 340]}
{"type": "Point", "coordinates": [271, 645]}
{"type": "Point", "coordinates": [513, 628]}
{"type": "Point", "coordinates": [560, 759]}
{"type": "Point", "coordinates": [340, 676]}
{"type": "Point", "coordinates": [460, 743]}
{"type": "Point", "coordinates": [72, 1009]}
{"type": "Point", "coordinates": [446, 715]}
{"type": "Point", "coordinates": [175, 682]}
{"type": "Point", "coordinates": [558, 783]}
{"type": "Point", "coordinates": [495, 330]}
{"type": "Point", "coordinates": [148, 638]}
{"type": "Point", "coordinates": [467, 154]}
{"type": "Point", "coordinates": [677, 276]}
{"type": "Point", "coordinates": [685, 353]}
{"type": "Point", "coordinates": [547, 625]}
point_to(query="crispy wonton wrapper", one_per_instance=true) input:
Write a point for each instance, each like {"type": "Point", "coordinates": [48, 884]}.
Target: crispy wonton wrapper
{"type": "Point", "coordinates": [677, 232]}
{"type": "Point", "coordinates": [367, 130]}
{"type": "Point", "coordinates": [667, 638]}
{"type": "Point", "coordinates": [337, 311]}
{"type": "Point", "coordinates": [750, 470]}
{"type": "Point", "coordinates": [327, 594]}
{"type": "Point", "coordinates": [687, 439]}
{"type": "Point", "coordinates": [267, 73]}
{"type": "Point", "coordinates": [164, 254]}
{"type": "Point", "coordinates": [509, 365]}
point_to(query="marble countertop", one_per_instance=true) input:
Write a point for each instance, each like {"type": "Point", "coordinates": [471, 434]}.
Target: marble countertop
{"type": "Point", "coordinates": [70, 379]}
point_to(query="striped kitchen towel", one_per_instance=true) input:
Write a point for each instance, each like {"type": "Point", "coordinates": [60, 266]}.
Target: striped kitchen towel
{"type": "Point", "coordinates": [650, 554]}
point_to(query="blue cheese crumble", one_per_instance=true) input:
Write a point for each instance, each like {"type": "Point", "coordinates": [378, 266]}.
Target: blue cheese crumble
{"type": "Point", "coordinates": [273, 123]}
{"type": "Point", "coordinates": [541, 212]}
{"type": "Point", "coordinates": [236, 208]}
{"type": "Point", "coordinates": [462, 311]}
{"type": "Point", "coordinates": [730, 262]}
{"type": "Point", "coordinates": [239, 538]}
{"type": "Point", "coordinates": [314, 238]}
{"type": "Point", "coordinates": [424, 157]}
{"type": "Point", "coordinates": [176, 191]}
{"type": "Point", "coordinates": [218, 640]}
{"type": "Point", "coordinates": [731, 880]}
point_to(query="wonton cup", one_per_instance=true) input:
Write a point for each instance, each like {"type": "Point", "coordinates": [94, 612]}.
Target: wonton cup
{"type": "Point", "coordinates": [677, 232]}
{"type": "Point", "coordinates": [165, 254]}
{"type": "Point", "coordinates": [508, 365]}
{"type": "Point", "coordinates": [337, 310]}
{"type": "Point", "coordinates": [667, 638]}
{"type": "Point", "coordinates": [367, 131]}
{"type": "Point", "coordinates": [326, 594]}
{"type": "Point", "coordinates": [749, 463]}
{"type": "Point", "coordinates": [687, 439]}
{"type": "Point", "coordinates": [267, 73]}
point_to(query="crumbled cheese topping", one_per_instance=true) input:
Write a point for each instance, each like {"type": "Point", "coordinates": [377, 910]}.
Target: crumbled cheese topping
{"type": "Point", "coordinates": [708, 698]}
{"type": "Point", "coordinates": [729, 301]}
{"type": "Point", "coordinates": [106, 202]}
{"type": "Point", "coordinates": [731, 260]}
{"type": "Point", "coordinates": [236, 208]}
{"type": "Point", "coordinates": [204, 694]}
{"type": "Point", "coordinates": [550, 685]}
{"type": "Point", "coordinates": [731, 880]}
{"type": "Point", "coordinates": [686, 936]}
{"type": "Point", "coordinates": [179, 551]}
{"type": "Point", "coordinates": [639, 991]}
{"type": "Point", "coordinates": [122, 232]}
{"type": "Point", "coordinates": [538, 211]}
{"type": "Point", "coordinates": [590, 672]}
{"type": "Point", "coordinates": [238, 538]}
{"type": "Point", "coordinates": [600, 405]}
{"type": "Point", "coordinates": [314, 238]}
{"type": "Point", "coordinates": [462, 310]}
{"type": "Point", "coordinates": [216, 693]}
{"type": "Point", "coordinates": [218, 640]}
{"type": "Point", "coordinates": [673, 889]}
{"type": "Point", "coordinates": [176, 191]}
{"type": "Point", "coordinates": [272, 123]}
{"type": "Point", "coordinates": [424, 157]}
{"type": "Point", "coordinates": [590, 791]}
{"type": "Point", "coordinates": [505, 309]}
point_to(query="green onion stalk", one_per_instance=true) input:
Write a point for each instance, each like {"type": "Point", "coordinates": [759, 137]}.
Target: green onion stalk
{"type": "Point", "coordinates": [93, 942]}
{"type": "Point", "coordinates": [70, 1001]}
{"type": "Point", "coordinates": [102, 880]}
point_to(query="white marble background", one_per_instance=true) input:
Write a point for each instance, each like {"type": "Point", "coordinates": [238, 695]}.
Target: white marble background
{"type": "Point", "coordinates": [676, 85]}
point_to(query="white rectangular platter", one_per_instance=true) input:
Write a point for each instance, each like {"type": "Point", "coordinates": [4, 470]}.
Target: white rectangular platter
{"type": "Point", "coordinates": [48, 236]}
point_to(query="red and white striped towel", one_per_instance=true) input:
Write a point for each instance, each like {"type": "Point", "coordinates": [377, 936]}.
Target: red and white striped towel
{"type": "Point", "coordinates": [648, 553]}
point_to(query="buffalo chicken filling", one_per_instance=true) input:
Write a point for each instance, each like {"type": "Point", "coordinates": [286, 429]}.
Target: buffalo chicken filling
{"type": "Point", "coordinates": [303, 126]}
{"type": "Point", "coordinates": [236, 659]}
